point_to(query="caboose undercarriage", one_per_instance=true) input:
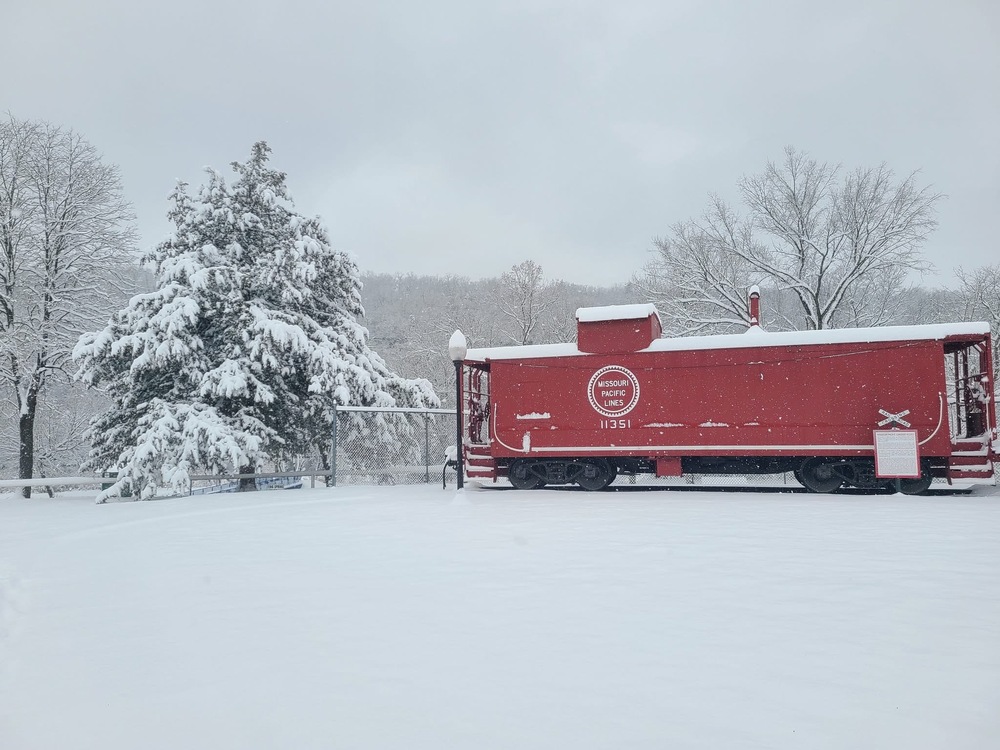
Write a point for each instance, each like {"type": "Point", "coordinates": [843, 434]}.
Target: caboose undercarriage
{"type": "Point", "coordinates": [818, 474]}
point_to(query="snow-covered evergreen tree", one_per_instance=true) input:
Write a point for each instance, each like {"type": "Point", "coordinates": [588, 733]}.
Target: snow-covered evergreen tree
{"type": "Point", "coordinates": [240, 355]}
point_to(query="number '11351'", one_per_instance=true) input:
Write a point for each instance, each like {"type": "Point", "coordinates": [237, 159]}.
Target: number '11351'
{"type": "Point", "coordinates": [616, 424]}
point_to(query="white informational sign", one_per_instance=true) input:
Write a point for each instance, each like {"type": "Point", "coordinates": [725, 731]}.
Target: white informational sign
{"type": "Point", "coordinates": [897, 455]}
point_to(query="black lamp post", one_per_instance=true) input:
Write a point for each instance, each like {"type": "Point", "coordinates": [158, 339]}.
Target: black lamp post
{"type": "Point", "coordinates": [457, 348]}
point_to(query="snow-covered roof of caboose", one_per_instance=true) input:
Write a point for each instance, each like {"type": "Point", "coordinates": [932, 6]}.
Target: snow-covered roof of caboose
{"type": "Point", "coordinates": [616, 312]}
{"type": "Point", "coordinates": [752, 338]}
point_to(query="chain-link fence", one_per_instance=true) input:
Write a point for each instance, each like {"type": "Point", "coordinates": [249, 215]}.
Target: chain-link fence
{"type": "Point", "coordinates": [376, 445]}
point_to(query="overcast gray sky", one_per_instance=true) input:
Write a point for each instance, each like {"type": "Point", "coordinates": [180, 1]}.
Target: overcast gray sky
{"type": "Point", "coordinates": [462, 137]}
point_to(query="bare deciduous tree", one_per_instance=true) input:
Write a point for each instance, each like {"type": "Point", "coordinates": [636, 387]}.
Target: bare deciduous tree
{"type": "Point", "coordinates": [877, 299]}
{"type": "Point", "coordinates": [522, 298]}
{"type": "Point", "coordinates": [698, 284]}
{"type": "Point", "coordinates": [841, 244]}
{"type": "Point", "coordinates": [65, 241]}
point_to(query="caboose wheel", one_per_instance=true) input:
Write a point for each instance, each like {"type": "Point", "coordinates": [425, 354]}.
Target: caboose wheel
{"type": "Point", "coordinates": [819, 475]}
{"type": "Point", "coordinates": [522, 475]}
{"type": "Point", "coordinates": [916, 486]}
{"type": "Point", "coordinates": [595, 475]}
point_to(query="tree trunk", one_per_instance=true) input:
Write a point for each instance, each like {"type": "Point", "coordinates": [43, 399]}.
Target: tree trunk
{"type": "Point", "coordinates": [247, 485]}
{"type": "Point", "coordinates": [324, 457]}
{"type": "Point", "coordinates": [26, 426]}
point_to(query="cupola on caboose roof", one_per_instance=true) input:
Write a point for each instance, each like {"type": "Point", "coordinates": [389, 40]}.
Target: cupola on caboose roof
{"type": "Point", "coordinates": [614, 329]}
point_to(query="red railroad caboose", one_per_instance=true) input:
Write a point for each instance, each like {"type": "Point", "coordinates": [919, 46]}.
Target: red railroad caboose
{"type": "Point", "coordinates": [622, 400]}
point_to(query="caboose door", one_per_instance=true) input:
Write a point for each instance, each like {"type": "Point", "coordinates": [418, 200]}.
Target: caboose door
{"type": "Point", "coordinates": [972, 410]}
{"type": "Point", "coordinates": [477, 404]}
{"type": "Point", "coordinates": [972, 388]}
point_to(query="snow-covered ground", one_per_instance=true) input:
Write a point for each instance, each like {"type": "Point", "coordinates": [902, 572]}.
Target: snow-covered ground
{"type": "Point", "coordinates": [415, 617]}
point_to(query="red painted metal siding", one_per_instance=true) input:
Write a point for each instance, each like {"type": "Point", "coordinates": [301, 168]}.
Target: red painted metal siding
{"type": "Point", "coordinates": [805, 400]}
{"type": "Point", "coordinates": [608, 336]}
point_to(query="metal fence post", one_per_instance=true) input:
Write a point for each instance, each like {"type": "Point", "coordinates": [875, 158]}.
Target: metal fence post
{"type": "Point", "coordinates": [427, 449]}
{"type": "Point", "coordinates": [332, 481]}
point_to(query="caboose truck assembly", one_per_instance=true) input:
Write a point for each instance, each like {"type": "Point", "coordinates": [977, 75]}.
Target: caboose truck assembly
{"type": "Point", "coordinates": [623, 400]}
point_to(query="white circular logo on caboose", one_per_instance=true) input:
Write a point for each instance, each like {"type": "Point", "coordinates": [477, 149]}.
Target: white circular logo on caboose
{"type": "Point", "coordinates": [613, 391]}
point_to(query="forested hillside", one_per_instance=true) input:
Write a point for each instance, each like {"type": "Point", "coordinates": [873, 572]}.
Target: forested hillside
{"type": "Point", "coordinates": [411, 317]}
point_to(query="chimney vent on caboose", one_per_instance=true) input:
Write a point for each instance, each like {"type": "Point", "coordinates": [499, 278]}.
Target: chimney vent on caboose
{"type": "Point", "coordinates": [617, 329]}
{"type": "Point", "coordinates": [753, 295]}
